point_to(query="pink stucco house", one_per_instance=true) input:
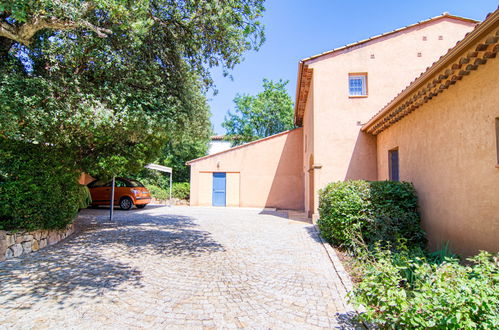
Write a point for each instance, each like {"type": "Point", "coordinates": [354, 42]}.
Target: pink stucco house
{"type": "Point", "coordinates": [344, 99]}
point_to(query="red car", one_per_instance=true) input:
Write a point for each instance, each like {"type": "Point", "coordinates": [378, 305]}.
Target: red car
{"type": "Point", "coordinates": [127, 193]}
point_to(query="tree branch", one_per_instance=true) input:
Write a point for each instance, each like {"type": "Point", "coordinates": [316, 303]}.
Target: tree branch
{"type": "Point", "coordinates": [25, 32]}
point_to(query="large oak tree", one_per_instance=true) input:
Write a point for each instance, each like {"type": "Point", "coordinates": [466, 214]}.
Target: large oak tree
{"type": "Point", "coordinates": [113, 79]}
{"type": "Point", "coordinates": [110, 83]}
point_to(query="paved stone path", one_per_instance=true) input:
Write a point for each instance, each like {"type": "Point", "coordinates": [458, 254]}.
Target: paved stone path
{"type": "Point", "coordinates": [176, 267]}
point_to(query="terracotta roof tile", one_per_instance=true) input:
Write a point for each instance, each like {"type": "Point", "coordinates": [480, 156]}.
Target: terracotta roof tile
{"type": "Point", "coordinates": [445, 68]}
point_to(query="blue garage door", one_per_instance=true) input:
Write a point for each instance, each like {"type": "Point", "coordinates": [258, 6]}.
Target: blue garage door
{"type": "Point", "coordinates": [218, 198]}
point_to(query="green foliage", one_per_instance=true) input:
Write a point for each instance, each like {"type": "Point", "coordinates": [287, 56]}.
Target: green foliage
{"type": "Point", "coordinates": [404, 290]}
{"type": "Point", "coordinates": [121, 79]}
{"type": "Point", "coordinates": [269, 112]}
{"type": "Point", "coordinates": [158, 192]}
{"type": "Point", "coordinates": [189, 142]}
{"type": "Point", "coordinates": [84, 197]}
{"type": "Point", "coordinates": [355, 213]}
{"type": "Point", "coordinates": [39, 186]}
{"type": "Point", "coordinates": [181, 190]}
{"type": "Point", "coordinates": [116, 84]}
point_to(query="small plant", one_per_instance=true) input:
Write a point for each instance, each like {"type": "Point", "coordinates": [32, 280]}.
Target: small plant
{"type": "Point", "coordinates": [403, 290]}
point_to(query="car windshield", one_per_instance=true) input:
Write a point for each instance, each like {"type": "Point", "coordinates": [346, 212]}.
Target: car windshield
{"type": "Point", "coordinates": [99, 183]}
{"type": "Point", "coordinates": [135, 183]}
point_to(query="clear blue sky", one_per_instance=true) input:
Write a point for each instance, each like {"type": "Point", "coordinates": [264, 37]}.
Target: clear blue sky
{"type": "Point", "coordinates": [296, 29]}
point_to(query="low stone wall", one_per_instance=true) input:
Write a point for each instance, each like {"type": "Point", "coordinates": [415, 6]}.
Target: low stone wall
{"type": "Point", "coordinates": [15, 244]}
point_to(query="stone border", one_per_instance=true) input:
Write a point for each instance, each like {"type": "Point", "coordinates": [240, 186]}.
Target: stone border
{"type": "Point", "coordinates": [342, 273]}
{"type": "Point", "coordinates": [335, 260]}
{"type": "Point", "coordinates": [16, 244]}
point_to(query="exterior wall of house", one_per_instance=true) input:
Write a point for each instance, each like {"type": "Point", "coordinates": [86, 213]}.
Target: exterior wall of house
{"type": "Point", "coordinates": [264, 173]}
{"type": "Point", "coordinates": [447, 148]}
{"type": "Point", "coordinates": [340, 150]}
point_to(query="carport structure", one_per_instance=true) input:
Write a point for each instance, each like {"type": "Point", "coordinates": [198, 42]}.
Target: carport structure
{"type": "Point", "coordinates": [151, 166]}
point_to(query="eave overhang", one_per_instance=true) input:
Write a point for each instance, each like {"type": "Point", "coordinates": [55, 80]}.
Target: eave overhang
{"type": "Point", "coordinates": [305, 75]}
{"type": "Point", "coordinates": [478, 47]}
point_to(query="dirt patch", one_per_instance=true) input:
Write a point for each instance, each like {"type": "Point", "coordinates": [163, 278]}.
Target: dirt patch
{"type": "Point", "coordinates": [349, 263]}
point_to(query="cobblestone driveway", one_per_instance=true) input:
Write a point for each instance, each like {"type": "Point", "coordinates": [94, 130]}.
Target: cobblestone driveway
{"type": "Point", "coordinates": [176, 268]}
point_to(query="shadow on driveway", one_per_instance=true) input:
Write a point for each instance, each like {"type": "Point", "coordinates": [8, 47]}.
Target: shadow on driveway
{"type": "Point", "coordinates": [94, 261]}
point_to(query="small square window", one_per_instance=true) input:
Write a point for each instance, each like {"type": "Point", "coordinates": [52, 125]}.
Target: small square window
{"type": "Point", "coordinates": [440, 37]}
{"type": "Point", "coordinates": [424, 38]}
{"type": "Point", "coordinates": [357, 84]}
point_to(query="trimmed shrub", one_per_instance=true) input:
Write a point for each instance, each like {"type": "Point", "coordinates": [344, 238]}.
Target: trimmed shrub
{"type": "Point", "coordinates": [38, 186]}
{"type": "Point", "coordinates": [181, 190]}
{"type": "Point", "coordinates": [404, 290]}
{"type": "Point", "coordinates": [343, 211]}
{"type": "Point", "coordinates": [356, 213]}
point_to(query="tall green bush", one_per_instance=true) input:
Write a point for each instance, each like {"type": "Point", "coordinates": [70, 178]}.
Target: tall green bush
{"type": "Point", "coordinates": [355, 213]}
{"type": "Point", "coordinates": [38, 186]}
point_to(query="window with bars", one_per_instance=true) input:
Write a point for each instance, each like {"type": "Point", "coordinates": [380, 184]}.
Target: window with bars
{"type": "Point", "coordinates": [357, 84]}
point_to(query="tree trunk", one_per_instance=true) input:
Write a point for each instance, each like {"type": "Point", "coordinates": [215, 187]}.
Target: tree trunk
{"type": "Point", "coordinates": [5, 45]}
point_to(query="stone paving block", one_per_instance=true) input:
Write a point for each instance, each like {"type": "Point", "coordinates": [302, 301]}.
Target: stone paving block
{"type": "Point", "coordinates": [176, 268]}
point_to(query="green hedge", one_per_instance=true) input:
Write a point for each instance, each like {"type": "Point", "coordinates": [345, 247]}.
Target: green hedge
{"type": "Point", "coordinates": [356, 213]}
{"type": "Point", "coordinates": [180, 190]}
{"type": "Point", "coordinates": [38, 186]}
{"type": "Point", "coordinates": [405, 290]}
{"type": "Point", "coordinates": [157, 192]}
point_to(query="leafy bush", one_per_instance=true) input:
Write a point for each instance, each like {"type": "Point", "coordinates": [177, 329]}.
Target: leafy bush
{"type": "Point", "coordinates": [404, 290]}
{"type": "Point", "coordinates": [181, 190]}
{"type": "Point", "coordinates": [38, 186]}
{"type": "Point", "coordinates": [158, 192]}
{"type": "Point", "coordinates": [355, 213]}
{"type": "Point", "coordinates": [84, 197]}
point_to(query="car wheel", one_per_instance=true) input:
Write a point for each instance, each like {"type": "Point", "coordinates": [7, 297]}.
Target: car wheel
{"type": "Point", "coordinates": [141, 206]}
{"type": "Point", "coordinates": [126, 203]}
